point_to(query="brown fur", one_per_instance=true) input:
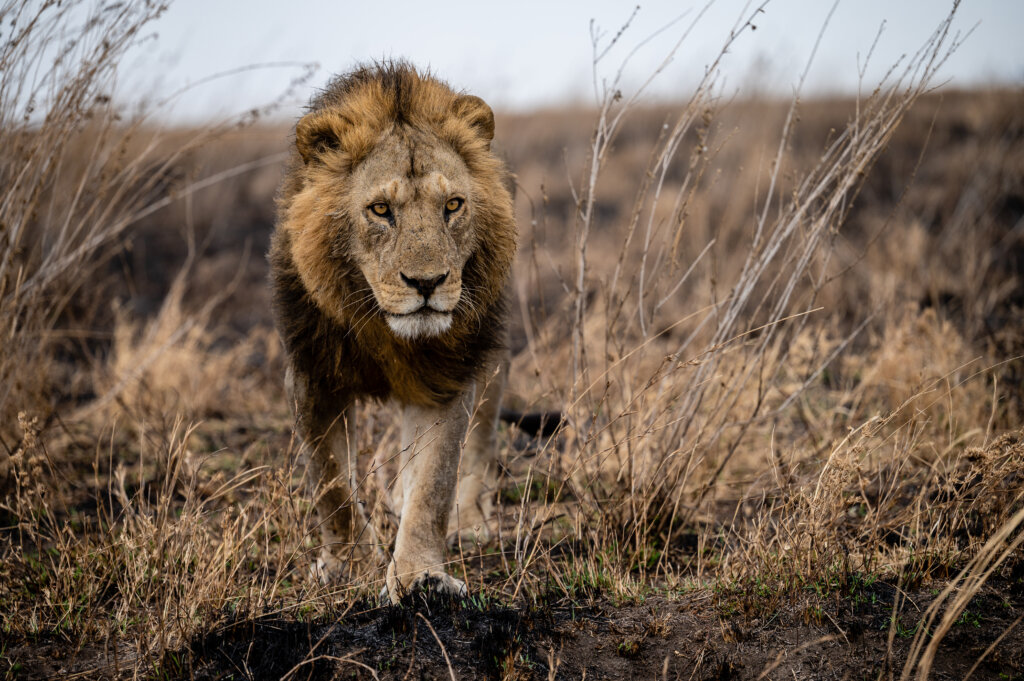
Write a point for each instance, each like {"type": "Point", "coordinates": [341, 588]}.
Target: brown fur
{"type": "Point", "coordinates": [389, 133]}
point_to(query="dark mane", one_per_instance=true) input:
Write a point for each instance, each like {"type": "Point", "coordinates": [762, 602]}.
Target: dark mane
{"type": "Point", "coordinates": [396, 78]}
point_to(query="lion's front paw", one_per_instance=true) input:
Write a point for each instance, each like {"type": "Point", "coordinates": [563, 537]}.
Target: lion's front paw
{"type": "Point", "coordinates": [429, 582]}
{"type": "Point", "coordinates": [330, 568]}
{"type": "Point", "coordinates": [441, 584]}
{"type": "Point", "coordinates": [327, 568]}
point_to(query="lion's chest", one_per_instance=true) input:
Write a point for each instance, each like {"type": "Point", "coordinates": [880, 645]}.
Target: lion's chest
{"type": "Point", "coordinates": [425, 373]}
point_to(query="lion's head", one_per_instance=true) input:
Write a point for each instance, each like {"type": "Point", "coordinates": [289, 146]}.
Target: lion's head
{"type": "Point", "coordinates": [397, 210]}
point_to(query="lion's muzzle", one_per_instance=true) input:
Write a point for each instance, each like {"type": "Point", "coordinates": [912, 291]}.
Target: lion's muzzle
{"type": "Point", "coordinates": [428, 312]}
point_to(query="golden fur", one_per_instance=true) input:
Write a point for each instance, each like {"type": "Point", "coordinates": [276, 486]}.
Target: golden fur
{"type": "Point", "coordinates": [393, 246]}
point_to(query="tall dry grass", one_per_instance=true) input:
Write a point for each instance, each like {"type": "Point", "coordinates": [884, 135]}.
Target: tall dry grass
{"type": "Point", "coordinates": [668, 391]}
{"type": "Point", "coordinates": [80, 174]}
{"type": "Point", "coordinates": [73, 173]}
{"type": "Point", "coordinates": [78, 171]}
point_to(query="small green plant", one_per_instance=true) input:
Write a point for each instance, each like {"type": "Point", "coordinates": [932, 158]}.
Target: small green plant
{"type": "Point", "coordinates": [968, 618]}
{"type": "Point", "coordinates": [629, 647]}
{"type": "Point", "coordinates": [901, 629]}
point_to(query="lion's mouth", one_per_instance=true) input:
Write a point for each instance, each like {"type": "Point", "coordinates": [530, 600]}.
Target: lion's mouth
{"type": "Point", "coordinates": [421, 322]}
{"type": "Point", "coordinates": [421, 310]}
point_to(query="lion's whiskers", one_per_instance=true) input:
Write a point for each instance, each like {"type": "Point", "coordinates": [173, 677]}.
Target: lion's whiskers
{"type": "Point", "coordinates": [470, 301]}
{"type": "Point", "coordinates": [364, 318]}
{"type": "Point", "coordinates": [363, 290]}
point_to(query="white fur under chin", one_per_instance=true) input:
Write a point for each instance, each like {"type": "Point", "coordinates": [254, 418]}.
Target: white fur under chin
{"type": "Point", "coordinates": [420, 324]}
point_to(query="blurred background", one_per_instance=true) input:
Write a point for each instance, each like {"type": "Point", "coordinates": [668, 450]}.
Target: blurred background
{"type": "Point", "coordinates": [203, 98]}
{"type": "Point", "coordinates": [252, 71]}
{"type": "Point", "coordinates": [531, 54]}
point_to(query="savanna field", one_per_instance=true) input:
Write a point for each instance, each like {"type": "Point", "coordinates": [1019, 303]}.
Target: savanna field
{"type": "Point", "coordinates": [786, 338]}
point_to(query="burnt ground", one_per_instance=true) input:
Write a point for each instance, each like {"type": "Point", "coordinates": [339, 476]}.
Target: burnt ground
{"type": "Point", "coordinates": [692, 636]}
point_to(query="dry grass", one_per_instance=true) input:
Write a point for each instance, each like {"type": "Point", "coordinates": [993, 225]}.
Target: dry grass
{"type": "Point", "coordinates": [79, 174]}
{"type": "Point", "coordinates": [786, 338]}
{"type": "Point", "coordinates": [69, 186]}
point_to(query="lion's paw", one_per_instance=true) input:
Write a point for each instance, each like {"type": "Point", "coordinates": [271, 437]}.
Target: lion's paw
{"type": "Point", "coordinates": [326, 568]}
{"type": "Point", "coordinates": [441, 584]}
{"type": "Point", "coordinates": [427, 583]}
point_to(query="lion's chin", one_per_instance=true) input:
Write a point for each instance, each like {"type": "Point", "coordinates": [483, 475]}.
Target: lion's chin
{"type": "Point", "coordinates": [421, 324]}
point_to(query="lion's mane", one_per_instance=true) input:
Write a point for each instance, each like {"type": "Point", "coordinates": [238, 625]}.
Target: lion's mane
{"type": "Point", "coordinates": [332, 332]}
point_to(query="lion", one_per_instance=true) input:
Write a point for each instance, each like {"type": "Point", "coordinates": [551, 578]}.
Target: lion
{"type": "Point", "coordinates": [390, 260]}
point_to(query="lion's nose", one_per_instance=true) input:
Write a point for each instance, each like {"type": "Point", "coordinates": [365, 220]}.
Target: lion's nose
{"type": "Point", "coordinates": [424, 286]}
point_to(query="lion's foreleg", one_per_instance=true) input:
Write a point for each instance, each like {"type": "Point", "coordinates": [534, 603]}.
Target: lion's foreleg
{"type": "Point", "coordinates": [428, 482]}
{"type": "Point", "coordinates": [329, 452]}
{"type": "Point", "coordinates": [478, 474]}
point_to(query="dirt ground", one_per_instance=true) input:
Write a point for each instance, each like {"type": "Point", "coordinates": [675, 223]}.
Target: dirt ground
{"type": "Point", "coordinates": [685, 637]}
{"type": "Point", "coordinates": [705, 633]}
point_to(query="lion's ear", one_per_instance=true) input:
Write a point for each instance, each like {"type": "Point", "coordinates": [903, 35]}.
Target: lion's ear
{"type": "Point", "coordinates": [315, 135]}
{"type": "Point", "coordinates": [475, 111]}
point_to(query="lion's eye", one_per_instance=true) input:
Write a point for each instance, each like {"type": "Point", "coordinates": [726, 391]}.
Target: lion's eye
{"type": "Point", "coordinates": [453, 205]}
{"type": "Point", "coordinates": [380, 208]}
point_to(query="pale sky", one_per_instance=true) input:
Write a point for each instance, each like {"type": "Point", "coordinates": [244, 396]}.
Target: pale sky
{"type": "Point", "coordinates": [530, 54]}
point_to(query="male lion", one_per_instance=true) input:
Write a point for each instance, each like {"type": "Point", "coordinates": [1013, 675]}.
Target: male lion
{"type": "Point", "coordinates": [394, 240]}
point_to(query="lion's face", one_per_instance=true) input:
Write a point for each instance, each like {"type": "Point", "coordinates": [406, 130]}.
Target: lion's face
{"type": "Point", "coordinates": [397, 219]}
{"type": "Point", "coordinates": [410, 207]}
